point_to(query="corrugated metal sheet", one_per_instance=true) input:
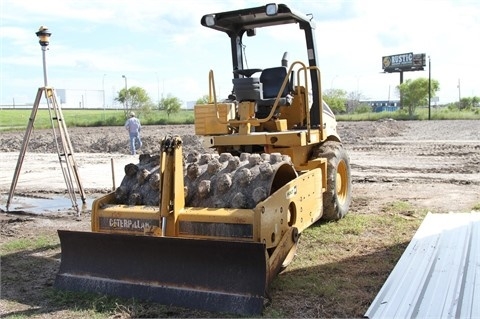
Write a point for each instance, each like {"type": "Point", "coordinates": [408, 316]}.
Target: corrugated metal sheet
{"type": "Point", "coordinates": [438, 275]}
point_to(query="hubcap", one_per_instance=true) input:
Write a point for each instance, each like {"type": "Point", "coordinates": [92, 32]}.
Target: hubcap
{"type": "Point", "coordinates": [342, 182]}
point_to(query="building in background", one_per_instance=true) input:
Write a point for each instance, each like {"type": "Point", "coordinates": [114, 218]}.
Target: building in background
{"type": "Point", "coordinates": [383, 105]}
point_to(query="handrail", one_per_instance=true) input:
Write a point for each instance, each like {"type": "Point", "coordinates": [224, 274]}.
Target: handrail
{"type": "Point", "coordinates": [307, 110]}
{"type": "Point", "coordinates": [307, 103]}
{"type": "Point", "coordinates": [212, 95]}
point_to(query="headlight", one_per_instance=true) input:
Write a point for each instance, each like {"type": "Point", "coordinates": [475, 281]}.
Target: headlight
{"type": "Point", "coordinates": [271, 9]}
{"type": "Point", "coordinates": [210, 20]}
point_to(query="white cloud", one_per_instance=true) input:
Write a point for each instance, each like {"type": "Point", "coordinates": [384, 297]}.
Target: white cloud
{"type": "Point", "coordinates": [160, 45]}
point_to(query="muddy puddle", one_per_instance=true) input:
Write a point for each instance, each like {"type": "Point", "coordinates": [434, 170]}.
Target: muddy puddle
{"type": "Point", "coordinates": [46, 205]}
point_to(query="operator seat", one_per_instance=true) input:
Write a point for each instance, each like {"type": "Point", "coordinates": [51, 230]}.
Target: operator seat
{"type": "Point", "coordinates": [272, 80]}
{"type": "Point", "coordinates": [247, 88]}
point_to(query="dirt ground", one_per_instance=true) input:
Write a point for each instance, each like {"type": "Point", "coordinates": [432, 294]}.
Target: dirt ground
{"type": "Point", "coordinates": [431, 165]}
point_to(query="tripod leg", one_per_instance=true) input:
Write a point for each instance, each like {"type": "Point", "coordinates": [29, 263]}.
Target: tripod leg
{"type": "Point", "coordinates": [64, 149]}
{"type": "Point", "coordinates": [23, 149]}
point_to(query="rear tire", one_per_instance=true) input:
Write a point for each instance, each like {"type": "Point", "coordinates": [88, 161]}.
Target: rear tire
{"type": "Point", "coordinates": [338, 195]}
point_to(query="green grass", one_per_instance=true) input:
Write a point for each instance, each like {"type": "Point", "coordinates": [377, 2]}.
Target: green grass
{"type": "Point", "coordinates": [340, 264]}
{"type": "Point", "coordinates": [27, 244]}
{"type": "Point", "coordinates": [339, 239]}
{"type": "Point", "coordinates": [335, 238]}
{"type": "Point", "coordinates": [400, 207]}
{"type": "Point", "coordinates": [18, 119]}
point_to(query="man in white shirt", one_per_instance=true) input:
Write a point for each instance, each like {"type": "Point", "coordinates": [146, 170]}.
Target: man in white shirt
{"type": "Point", "coordinates": [133, 127]}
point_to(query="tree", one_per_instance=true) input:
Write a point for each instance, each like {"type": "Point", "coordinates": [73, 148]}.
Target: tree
{"type": "Point", "coordinates": [468, 103]}
{"type": "Point", "coordinates": [203, 100]}
{"type": "Point", "coordinates": [135, 98]}
{"type": "Point", "coordinates": [476, 101]}
{"type": "Point", "coordinates": [170, 104]}
{"type": "Point", "coordinates": [414, 93]}
{"type": "Point", "coordinates": [336, 99]}
{"type": "Point", "coordinates": [363, 108]}
{"type": "Point", "coordinates": [353, 101]}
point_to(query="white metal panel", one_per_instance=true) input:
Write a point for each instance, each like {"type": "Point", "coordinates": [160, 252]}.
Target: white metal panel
{"type": "Point", "coordinates": [438, 275]}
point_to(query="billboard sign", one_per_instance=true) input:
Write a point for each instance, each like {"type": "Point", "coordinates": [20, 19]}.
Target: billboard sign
{"type": "Point", "coordinates": [403, 62]}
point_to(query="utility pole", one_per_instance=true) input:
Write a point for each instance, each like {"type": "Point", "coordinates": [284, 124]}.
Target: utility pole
{"type": "Point", "coordinates": [429, 86]}
{"type": "Point", "coordinates": [158, 89]}
{"type": "Point", "coordinates": [401, 82]}
{"type": "Point", "coordinates": [103, 90]}
{"type": "Point", "coordinates": [125, 104]}
{"type": "Point", "coordinates": [103, 94]}
{"type": "Point", "coordinates": [459, 95]}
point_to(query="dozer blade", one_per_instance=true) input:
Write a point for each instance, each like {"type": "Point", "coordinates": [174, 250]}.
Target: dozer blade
{"type": "Point", "coordinates": [210, 275]}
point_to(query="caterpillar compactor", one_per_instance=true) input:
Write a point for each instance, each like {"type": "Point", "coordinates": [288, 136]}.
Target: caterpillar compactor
{"type": "Point", "coordinates": [211, 231]}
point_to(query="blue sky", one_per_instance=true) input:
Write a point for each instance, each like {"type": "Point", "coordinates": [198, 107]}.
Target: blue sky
{"type": "Point", "coordinates": [161, 46]}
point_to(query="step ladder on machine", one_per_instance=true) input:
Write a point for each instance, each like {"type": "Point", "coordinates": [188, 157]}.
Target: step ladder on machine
{"type": "Point", "coordinates": [60, 134]}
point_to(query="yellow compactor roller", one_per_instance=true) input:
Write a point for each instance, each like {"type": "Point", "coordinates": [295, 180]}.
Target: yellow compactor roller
{"type": "Point", "coordinates": [211, 231]}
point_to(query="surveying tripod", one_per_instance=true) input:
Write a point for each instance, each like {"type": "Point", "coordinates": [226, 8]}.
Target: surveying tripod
{"type": "Point", "coordinates": [62, 143]}
{"type": "Point", "coordinates": [60, 133]}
